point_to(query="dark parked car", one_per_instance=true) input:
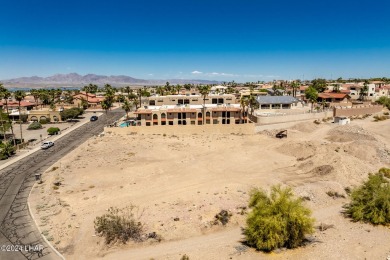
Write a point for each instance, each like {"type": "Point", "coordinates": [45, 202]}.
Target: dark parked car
{"type": "Point", "coordinates": [94, 118]}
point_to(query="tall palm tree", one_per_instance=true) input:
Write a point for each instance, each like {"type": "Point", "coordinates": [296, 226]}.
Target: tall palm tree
{"type": "Point", "coordinates": [6, 94]}
{"type": "Point", "coordinates": [106, 105]}
{"type": "Point", "coordinates": [127, 107]}
{"type": "Point", "coordinates": [204, 91]}
{"type": "Point", "coordinates": [87, 89]}
{"type": "Point", "coordinates": [295, 86]}
{"type": "Point", "coordinates": [127, 89]}
{"type": "Point", "coordinates": [244, 102]}
{"type": "Point", "coordinates": [35, 94]}
{"type": "Point", "coordinates": [19, 96]}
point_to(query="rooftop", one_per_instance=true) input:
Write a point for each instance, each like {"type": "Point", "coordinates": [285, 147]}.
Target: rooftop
{"type": "Point", "coordinates": [268, 100]}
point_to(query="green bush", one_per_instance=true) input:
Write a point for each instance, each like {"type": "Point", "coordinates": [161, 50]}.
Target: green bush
{"type": "Point", "coordinates": [119, 225]}
{"type": "Point", "coordinates": [71, 113]}
{"type": "Point", "coordinates": [44, 121]}
{"type": "Point", "coordinates": [53, 130]}
{"type": "Point", "coordinates": [6, 150]}
{"type": "Point", "coordinates": [34, 126]}
{"type": "Point", "coordinates": [278, 220]}
{"type": "Point", "coordinates": [371, 201]}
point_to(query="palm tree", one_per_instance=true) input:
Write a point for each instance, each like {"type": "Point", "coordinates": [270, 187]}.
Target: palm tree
{"type": "Point", "coordinates": [19, 96]}
{"type": "Point", "coordinates": [294, 86]}
{"type": "Point", "coordinates": [127, 107]}
{"type": "Point", "coordinates": [106, 105]}
{"type": "Point", "coordinates": [87, 90]}
{"type": "Point", "coordinates": [5, 94]}
{"type": "Point", "coordinates": [204, 91]}
{"type": "Point", "coordinates": [127, 89]}
{"type": "Point", "coordinates": [35, 94]}
{"type": "Point", "coordinates": [311, 94]}
{"type": "Point", "coordinates": [244, 102]}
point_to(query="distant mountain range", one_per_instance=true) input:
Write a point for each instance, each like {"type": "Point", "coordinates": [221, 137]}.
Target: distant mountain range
{"type": "Point", "coordinates": [74, 79]}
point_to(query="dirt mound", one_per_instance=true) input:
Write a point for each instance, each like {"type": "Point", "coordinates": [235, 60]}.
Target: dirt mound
{"type": "Point", "coordinates": [349, 133]}
{"type": "Point", "coordinates": [301, 150]}
{"type": "Point", "coordinates": [306, 127]}
{"type": "Point", "coordinates": [322, 170]}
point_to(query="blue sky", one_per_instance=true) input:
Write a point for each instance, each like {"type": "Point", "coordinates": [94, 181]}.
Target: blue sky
{"type": "Point", "coordinates": [243, 40]}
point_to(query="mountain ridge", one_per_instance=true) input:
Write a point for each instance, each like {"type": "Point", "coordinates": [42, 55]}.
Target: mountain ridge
{"type": "Point", "coordinates": [77, 79]}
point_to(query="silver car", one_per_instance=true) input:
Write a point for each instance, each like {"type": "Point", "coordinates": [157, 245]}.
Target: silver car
{"type": "Point", "coordinates": [46, 145]}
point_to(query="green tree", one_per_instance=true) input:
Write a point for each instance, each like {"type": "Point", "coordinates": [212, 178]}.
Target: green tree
{"type": "Point", "coordinates": [364, 91]}
{"type": "Point", "coordinates": [295, 86]}
{"type": "Point", "coordinates": [35, 94]}
{"type": "Point", "coordinates": [319, 85]}
{"type": "Point", "coordinates": [127, 107]}
{"type": "Point", "coordinates": [19, 96]}
{"type": "Point", "coordinates": [6, 94]}
{"type": "Point", "coordinates": [204, 90]}
{"type": "Point", "coordinates": [311, 94]}
{"type": "Point", "coordinates": [244, 103]}
{"type": "Point", "coordinates": [278, 220]}
{"type": "Point", "coordinates": [106, 105]}
{"type": "Point", "coordinates": [5, 124]}
{"type": "Point", "coordinates": [371, 201]}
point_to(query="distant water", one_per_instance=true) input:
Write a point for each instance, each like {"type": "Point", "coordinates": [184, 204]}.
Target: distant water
{"type": "Point", "coordinates": [29, 89]}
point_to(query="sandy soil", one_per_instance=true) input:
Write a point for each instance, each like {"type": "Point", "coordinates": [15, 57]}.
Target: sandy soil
{"type": "Point", "coordinates": [193, 177]}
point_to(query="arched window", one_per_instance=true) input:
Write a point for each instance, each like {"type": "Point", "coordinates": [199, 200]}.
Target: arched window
{"type": "Point", "coordinates": [199, 115]}
{"type": "Point", "coordinates": [207, 113]}
{"type": "Point", "coordinates": [34, 118]}
{"type": "Point", "coordinates": [163, 115]}
{"type": "Point", "coordinates": [155, 116]}
{"type": "Point", "coordinates": [55, 119]}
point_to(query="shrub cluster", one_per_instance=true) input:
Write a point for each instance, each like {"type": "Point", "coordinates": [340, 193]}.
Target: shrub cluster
{"type": "Point", "coordinates": [119, 225]}
{"type": "Point", "coordinates": [34, 126]}
{"type": "Point", "coordinates": [6, 150]}
{"type": "Point", "coordinates": [44, 121]}
{"type": "Point", "coordinates": [385, 101]}
{"type": "Point", "coordinates": [53, 130]}
{"type": "Point", "coordinates": [371, 201]}
{"type": "Point", "coordinates": [71, 113]}
{"type": "Point", "coordinates": [278, 220]}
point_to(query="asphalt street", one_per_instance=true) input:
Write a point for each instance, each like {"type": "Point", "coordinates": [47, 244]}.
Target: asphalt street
{"type": "Point", "coordinates": [17, 229]}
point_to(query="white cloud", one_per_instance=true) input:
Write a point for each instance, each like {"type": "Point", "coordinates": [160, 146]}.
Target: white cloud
{"type": "Point", "coordinates": [196, 72]}
{"type": "Point", "coordinates": [150, 74]}
{"type": "Point", "coordinates": [222, 74]}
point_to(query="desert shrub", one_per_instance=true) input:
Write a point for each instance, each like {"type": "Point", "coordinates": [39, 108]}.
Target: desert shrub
{"type": "Point", "coordinates": [53, 130]}
{"type": "Point", "coordinates": [385, 172]}
{"type": "Point", "coordinates": [185, 257]}
{"type": "Point", "coordinates": [386, 113]}
{"type": "Point", "coordinates": [222, 217]}
{"type": "Point", "coordinates": [335, 194]}
{"type": "Point", "coordinates": [371, 201]}
{"type": "Point", "coordinates": [380, 118]}
{"type": "Point", "coordinates": [278, 220]}
{"type": "Point", "coordinates": [34, 126]}
{"type": "Point", "coordinates": [119, 225]}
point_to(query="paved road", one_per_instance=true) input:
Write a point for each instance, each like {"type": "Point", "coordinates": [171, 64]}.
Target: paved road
{"type": "Point", "coordinates": [17, 180]}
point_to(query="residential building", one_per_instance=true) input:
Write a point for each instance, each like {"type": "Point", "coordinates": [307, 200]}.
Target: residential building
{"type": "Point", "coordinates": [189, 114]}
{"type": "Point", "coordinates": [278, 102]}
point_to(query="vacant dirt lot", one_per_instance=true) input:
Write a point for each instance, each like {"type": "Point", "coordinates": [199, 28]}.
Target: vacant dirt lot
{"type": "Point", "coordinates": [194, 176]}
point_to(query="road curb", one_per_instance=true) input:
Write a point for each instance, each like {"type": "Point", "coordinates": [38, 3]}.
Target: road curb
{"type": "Point", "coordinates": [40, 231]}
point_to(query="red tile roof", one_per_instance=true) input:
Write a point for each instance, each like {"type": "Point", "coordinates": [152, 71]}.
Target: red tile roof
{"type": "Point", "coordinates": [332, 95]}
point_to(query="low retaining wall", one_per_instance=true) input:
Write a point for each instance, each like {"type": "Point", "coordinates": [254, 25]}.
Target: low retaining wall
{"type": "Point", "coordinates": [292, 118]}
{"type": "Point", "coordinates": [184, 129]}
{"type": "Point", "coordinates": [357, 110]}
